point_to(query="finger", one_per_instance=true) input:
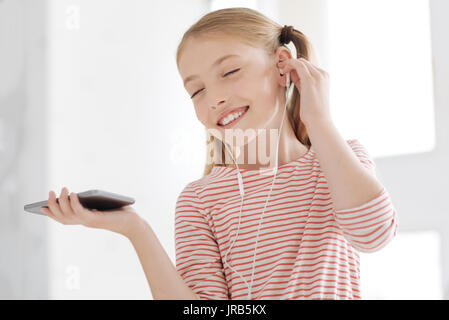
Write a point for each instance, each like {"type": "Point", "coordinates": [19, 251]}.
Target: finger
{"type": "Point", "coordinates": [64, 204]}
{"type": "Point", "coordinates": [54, 206]}
{"type": "Point", "coordinates": [300, 70]}
{"type": "Point", "coordinates": [84, 214]}
{"type": "Point", "coordinates": [313, 68]}
{"type": "Point", "coordinates": [48, 213]}
{"type": "Point", "coordinates": [308, 66]}
{"type": "Point", "coordinates": [293, 64]}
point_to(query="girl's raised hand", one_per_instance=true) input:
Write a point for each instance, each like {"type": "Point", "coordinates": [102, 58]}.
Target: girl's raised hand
{"type": "Point", "coordinates": [313, 86]}
{"type": "Point", "coordinates": [69, 211]}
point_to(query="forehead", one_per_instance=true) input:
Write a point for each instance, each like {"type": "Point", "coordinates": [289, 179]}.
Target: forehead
{"type": "Point", "coordinates": [200, 53]}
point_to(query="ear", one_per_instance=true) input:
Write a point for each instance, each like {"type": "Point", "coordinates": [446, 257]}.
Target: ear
{"type": "Point", "coordinates": [282, 54]}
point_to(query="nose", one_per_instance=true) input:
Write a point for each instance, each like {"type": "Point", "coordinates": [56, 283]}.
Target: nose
{"type": "Point", "coordinates": [218, 105]}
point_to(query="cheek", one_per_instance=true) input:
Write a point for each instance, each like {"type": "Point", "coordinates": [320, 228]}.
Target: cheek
{"type": "Point", "coordinates": [269, 82]}
{"type": "Point", "coordinates": [202, 114]}
{"type": "Point", "coordinates": [262, 82]}
{"type": "Point", "coordinates": [264, 90]}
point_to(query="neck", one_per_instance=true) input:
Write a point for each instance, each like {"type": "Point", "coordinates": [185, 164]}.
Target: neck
{"type": "Point", "coordinates": [260, 152]}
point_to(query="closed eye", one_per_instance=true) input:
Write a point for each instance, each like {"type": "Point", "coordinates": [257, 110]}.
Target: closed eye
{"type": "Point", "coordinates": [230, 72]}
{"type": "Point", "coordinates": [233, 71]}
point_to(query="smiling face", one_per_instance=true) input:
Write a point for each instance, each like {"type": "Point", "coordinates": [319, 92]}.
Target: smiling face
{"type": "Point", "coordinates": [220, 89]}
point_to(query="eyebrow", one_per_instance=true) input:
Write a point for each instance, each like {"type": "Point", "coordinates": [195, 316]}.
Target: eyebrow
{"type": "Point", "coordinates": [217, 62]}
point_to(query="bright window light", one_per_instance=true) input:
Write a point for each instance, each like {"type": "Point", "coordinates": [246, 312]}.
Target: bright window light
{"type": "Point", "coordinates": [221, 4]}
{"type": "Point", "coordinates": [381, 74]}
{"type": "Point", "coordinates": [409, 268]}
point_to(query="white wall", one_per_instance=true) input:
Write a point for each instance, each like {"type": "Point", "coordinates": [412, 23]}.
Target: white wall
{"type": "Point", "coordinates": [116, 103]}
{"type": "Point", "coordinates": [418, 183]}
{"type": "Point", "coordinates": [23, 241]}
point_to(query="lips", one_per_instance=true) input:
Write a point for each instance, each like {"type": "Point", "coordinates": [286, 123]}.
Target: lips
{"type": "Point", "coordinates": [227, 112]}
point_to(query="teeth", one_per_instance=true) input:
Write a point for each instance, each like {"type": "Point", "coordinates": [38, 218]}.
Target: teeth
{"type": "Point", "coordinates": [231, 117]}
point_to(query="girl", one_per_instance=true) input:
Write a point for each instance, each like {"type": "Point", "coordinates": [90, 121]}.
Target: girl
{"type": "Point", "coordinates": [241, 231]}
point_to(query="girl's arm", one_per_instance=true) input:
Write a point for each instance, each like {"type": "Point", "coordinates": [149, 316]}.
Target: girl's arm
{"type": "Point", "coordinates": [163, 278]}
{"type": "Point", "coordinates": [362, 206]}
{"type": "Point", "coordinates": [351, 182]}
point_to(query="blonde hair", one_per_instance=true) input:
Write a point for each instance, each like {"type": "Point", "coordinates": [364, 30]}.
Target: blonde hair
{"type": "Point", "coordinates": [254, 29]}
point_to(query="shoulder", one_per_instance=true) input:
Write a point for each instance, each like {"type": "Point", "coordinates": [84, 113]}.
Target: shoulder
{"type": "Point", "coordinates": [362, 154]}
{"type": "Point", "coordinates": [194, 190]}
{"type": "Point", "coordinates": [202, 185]}
{"type": "Point", "coordinates": [355, 143]}
{"type": "Point", "coordinates": [359, 149]}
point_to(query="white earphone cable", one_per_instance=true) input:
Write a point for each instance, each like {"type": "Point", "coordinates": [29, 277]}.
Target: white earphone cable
{"type": "Point", "coordinates": [269, 194]}
{"type": "Point", "coordinates": [240, 217]}
{"type": "Point", "coordinates": [266, 202]}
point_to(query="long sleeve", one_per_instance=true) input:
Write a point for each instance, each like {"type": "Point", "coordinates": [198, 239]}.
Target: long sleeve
{"type": "Point", "coordinates": [372, 225]}
{"type": "Point", "coordinates": [198, 259]}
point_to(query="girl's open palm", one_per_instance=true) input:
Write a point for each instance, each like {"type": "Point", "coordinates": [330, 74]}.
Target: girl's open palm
{"type": "Point", "coordinates": [69, 211]}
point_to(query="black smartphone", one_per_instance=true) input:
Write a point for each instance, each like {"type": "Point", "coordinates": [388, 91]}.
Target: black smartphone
{"type": "Point", "coordinates": [91, 199]}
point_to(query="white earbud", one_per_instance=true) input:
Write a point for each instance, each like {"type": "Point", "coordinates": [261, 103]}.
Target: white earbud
{"type": "Point", "coordinates": [287, 82]}
{"type": "Point", "coordinates": [239, 176]}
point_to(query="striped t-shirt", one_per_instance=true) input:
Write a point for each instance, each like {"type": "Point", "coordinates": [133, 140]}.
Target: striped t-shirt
{"type": "Point", "coordinates": [305, 250]}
